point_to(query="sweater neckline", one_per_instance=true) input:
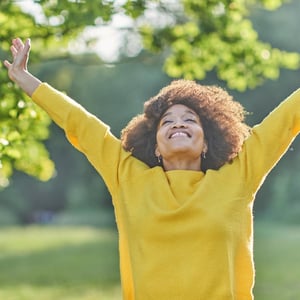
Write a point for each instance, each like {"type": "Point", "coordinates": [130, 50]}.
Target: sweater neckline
{"type": "Point", "coordinates": [180, 176]}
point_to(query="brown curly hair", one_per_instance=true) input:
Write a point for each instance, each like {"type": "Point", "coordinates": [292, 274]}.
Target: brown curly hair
{"type": "Point", "coordinates": [222, 119]}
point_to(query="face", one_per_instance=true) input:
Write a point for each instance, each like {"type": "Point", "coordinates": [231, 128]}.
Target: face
{"type": "Point", "coordinates": [180, 134]}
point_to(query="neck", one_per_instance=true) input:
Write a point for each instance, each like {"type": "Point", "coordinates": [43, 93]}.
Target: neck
{"type": "Point", "coordinates": [179, 164]}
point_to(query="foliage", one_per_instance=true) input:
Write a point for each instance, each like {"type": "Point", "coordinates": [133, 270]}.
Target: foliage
{"type": "Point", "coordinates": [196, 37]}
{"type": "Point", "coordinates": [219, 35]}
{"type": "Point", "coordinates": [22, 128]}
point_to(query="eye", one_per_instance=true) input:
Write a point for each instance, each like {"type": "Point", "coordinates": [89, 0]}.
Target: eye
{"type": "Point", "coordinates": [191, 120]}
{"type": "Point", "coordinates": [167, 121]}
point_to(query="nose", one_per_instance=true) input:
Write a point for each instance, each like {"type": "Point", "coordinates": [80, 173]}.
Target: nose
{"type": "Point", "coordinates": [179, 124]}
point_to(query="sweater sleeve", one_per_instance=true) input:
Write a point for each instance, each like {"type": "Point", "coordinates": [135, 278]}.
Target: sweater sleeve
{"type": "Point", "coordinates": [269, 141]}
{"type": "Point", "coordinates": [84, 131]}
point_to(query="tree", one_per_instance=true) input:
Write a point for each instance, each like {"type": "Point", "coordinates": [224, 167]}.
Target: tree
{"type": "Point", "coordinates": [196, 37]}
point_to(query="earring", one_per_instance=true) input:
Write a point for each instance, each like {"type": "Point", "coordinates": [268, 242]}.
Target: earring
{"type": "Point", "coordinates": [159, 159]}
{"type": "Point", "coordinates": [203, 155]}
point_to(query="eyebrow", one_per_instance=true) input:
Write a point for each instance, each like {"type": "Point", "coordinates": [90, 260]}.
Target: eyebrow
{"type": "Point", "coordinates": [186, 111]}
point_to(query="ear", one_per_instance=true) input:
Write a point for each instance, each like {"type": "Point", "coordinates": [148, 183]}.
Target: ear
{"type": "Point", "coordinates": [157, 153]}
{"type": "Point", "coordinates": [205, 147]}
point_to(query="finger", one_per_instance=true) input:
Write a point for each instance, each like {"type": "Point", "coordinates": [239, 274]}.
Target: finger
{"type": "Point", "coordinates": [20, 50]}
{"type": "Point", "coordinates": [25, 52]}
{"type": "Point", "coordinates": [18, 44]}
{"type": "Point", "coordinates": [27, 45]}
{"type": "Point", "coordinates": [7, 64]}
{"type": "Point", "coordinates": [13, 51]}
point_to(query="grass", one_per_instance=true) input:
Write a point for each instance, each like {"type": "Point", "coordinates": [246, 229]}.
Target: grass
{"type": "Point", "coordinates": [277, 260]}
{"type": "Point", "coordinates": [46, 263]}
{"type": "Point", "coordinates": [59, 263]}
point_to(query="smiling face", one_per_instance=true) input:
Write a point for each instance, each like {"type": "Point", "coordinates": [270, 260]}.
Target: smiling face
{"type": "Point", "coordinates": [180, 138]}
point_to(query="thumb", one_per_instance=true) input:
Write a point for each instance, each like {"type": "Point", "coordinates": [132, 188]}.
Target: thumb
{"type": "Point", "coordinates": [6, 63]}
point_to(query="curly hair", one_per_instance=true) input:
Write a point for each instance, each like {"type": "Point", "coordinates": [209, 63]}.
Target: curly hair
{"type": "Point", "coordinates": [222, 119]}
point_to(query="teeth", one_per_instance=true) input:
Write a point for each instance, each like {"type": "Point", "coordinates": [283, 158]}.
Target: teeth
{"type": "Point", "coordinates": [178, 134]}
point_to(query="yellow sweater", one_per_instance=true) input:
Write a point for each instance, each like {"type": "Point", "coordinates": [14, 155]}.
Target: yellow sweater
{"type": "Point", "coordinates": [183, 234]}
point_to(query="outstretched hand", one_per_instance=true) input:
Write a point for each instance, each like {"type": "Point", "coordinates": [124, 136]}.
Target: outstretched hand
{"type": "Point", "coordinates": [17, 69]}
{"type": "Point", "coordinates": [20, 54]}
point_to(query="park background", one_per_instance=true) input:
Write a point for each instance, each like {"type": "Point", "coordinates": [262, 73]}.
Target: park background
{"type": "Point", "coordinates": [58, 238]}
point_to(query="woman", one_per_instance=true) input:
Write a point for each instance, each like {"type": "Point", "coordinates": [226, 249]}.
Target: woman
{"type": "Point", "coordinates": [183, 179]}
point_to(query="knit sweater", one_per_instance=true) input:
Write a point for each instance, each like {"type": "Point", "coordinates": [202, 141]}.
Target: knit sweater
{"type": "Point", "coordinates": [182, 234]}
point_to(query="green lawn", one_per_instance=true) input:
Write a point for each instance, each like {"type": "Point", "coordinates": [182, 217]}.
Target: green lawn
{"type": "Point", "coordinates": [47, 263]}
{"type": "Point", "coordinates": [277, 260]}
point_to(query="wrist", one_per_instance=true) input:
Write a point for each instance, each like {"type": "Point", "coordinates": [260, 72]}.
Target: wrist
{"type": "Point", "coordinates": [27, 82]}
{"type": "Point", "coordinates": [18, 76]}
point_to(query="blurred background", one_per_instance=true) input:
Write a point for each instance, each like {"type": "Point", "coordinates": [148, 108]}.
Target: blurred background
{"type": "Point", "coordinates": [57, 230]}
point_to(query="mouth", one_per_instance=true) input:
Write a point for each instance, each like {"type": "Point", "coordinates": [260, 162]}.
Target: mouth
{"type": "Point", "coordinates": [179, 134]}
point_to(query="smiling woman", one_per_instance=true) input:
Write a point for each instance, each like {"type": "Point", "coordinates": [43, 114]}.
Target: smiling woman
{"type": "Point", "coordinates": [183, 179]}
{"type": "Point", "coordinates": [180, 139]}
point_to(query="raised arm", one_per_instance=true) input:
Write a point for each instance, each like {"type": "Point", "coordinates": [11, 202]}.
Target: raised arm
{"type": "Point", "coordinates": [84, 130]}
{"type": "Point", "coordinates": [17, 69]}
{"type": "Point", "coordinates": [270, 140]}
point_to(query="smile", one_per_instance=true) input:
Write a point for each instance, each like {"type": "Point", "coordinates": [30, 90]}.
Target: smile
{"type": "Point", "coordinates": [179, 134]}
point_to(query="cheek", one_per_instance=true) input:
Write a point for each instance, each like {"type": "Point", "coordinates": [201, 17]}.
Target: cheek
{"type": "Point", "coordinates": [160, 139]}
{"type": "Point", "coordinates": [157, 142]}
{"type": "Point", "coordinates": [201, 133]}
{"type": "Point", "coordinates": [160, 133]}
{"type": "Point", "coordinates": [200, 138]}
